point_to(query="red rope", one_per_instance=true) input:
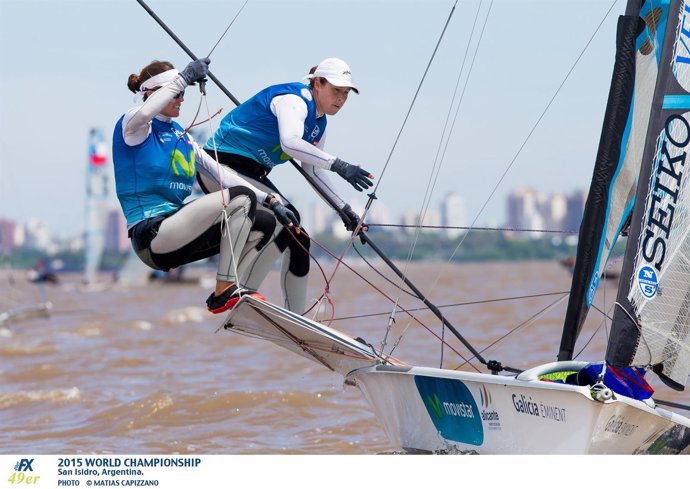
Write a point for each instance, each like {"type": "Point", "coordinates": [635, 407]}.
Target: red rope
{"type": "Point", "coordinates": [193, 124]}
{"type": "Point", "coordinates": [341, 261]}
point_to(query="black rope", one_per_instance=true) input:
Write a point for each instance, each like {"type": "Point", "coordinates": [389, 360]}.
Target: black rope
{"type": "Point", "coordinates": [414, 99]}
{"type": "Point", "coordinates": [474, 228]}
{"type": "Point", "coordinates": [672, 404]}
{"type": "Point", "coordinates": [457, 304]}
{"type": "Point", "coordinates": [501, 338]}
{"type": "Point", "coordinates": [227, 28]}
{"type": "Point", "coordinates": [380, 274]}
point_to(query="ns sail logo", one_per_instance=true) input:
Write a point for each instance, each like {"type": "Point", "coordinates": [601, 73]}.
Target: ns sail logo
{"type": "Point", "coordinates": [667, 185]}
{"type": "Point", "coordinates": [23, 474]}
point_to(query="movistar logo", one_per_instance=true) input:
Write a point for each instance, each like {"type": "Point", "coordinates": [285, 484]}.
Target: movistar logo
{"type": "Point", "coordinates": [441, 408]}
{"type": "Point", "coordinates": [180, 164]}
{"type": "Point", "coordinates": [452, 409]}
{"type": "Point", "coordinates": [435, 404]}
{"type": "Point", "coordinates": [283, 156]}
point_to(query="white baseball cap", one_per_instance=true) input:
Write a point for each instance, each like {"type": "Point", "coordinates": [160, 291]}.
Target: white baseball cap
{"type": "Point", "coordinates": [336, 71]}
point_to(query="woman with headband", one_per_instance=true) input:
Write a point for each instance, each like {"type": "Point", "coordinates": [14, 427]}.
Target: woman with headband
{"type": "Point", "coordinates": [155, 164]}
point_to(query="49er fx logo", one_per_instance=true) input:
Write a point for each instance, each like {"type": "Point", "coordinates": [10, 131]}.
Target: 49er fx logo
{"type": "Point", "coordinates": [23, 473]}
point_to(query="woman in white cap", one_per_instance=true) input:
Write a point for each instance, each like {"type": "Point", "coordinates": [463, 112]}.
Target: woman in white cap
{"type": "Point", "coordinates": [280, 122]}
{"type": "Point", "coordinates": [155, 164]}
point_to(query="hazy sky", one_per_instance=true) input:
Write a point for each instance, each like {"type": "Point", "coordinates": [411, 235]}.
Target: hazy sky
{"type": "Point", "coordinates": [64, 66]}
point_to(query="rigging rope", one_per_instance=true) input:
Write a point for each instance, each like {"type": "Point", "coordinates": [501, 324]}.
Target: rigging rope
{"type": "Point", "coordinates": [534, 126]}
{"type": "Point", "coordinates": [474, 228]}
{"type": "Point", "coordinates": [227, 28]}
{"type": "Point", "coordinates": [457, 304]}
{"type": "Point", "coordinates": [390, 299]}
{"type": "Point", "coordinates": [527, 322]}
{"type": "Point", "coordinates": [409, 110]}
{"type": "Point", "coordinates": [438, 163]}
{"type": "Point", "coordinates": [372, 196]}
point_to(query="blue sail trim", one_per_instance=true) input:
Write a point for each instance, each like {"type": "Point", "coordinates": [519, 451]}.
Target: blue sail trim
{"type": "Point", "coordinates": [676, 102]}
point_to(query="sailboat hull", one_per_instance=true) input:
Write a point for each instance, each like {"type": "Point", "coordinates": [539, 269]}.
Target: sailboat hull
{"type": "Point", "coordinates": [444, 411]}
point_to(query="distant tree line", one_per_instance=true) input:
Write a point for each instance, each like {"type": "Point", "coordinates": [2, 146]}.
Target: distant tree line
{"type": "Point", "coordinates": [476, 246]}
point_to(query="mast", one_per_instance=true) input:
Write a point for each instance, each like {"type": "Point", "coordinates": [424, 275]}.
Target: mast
{"type": "Point", "coordinates": [612, 191]}
{"type": "Point", "coordinates": [651, 323]}
{"type": "Point", "coordinates": [96, 199]}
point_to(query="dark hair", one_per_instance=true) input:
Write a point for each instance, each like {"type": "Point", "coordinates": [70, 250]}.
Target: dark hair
{"type": "Point", "coordinates": [321, 79]}
{"type": "Point", "coordinates": [152, 69]}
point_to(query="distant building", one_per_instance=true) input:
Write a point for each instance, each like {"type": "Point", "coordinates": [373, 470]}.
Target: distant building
{"type": "Point", "coordinates": [554, 210]}
{"type": "Point", "coordinates": [528, 209]}
{"type": "Point", "coordinates": [575, 211]}
{"type": "Point", "coordinates": [525, 208]}
{"type": "Point", "coordinates": [319, 218]}
{"type": "Point", "coordinates": [37, 235]}
{"type": "Point", "coordinates": [378, 214]}
{"type": "Point", "coordinates": [7, 230]}
{"type": "Point", "coordinates": [453, 215]}
{"type": "Point", "coordinates": [412, 219]}
{"type": "Point", "coordinates": [116, 232]}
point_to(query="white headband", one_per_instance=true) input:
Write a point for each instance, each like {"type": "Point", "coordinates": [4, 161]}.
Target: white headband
{"type": "Point", "coordinates": [160, 79]}
{"type": "Point", "coordinates": [156, 81]}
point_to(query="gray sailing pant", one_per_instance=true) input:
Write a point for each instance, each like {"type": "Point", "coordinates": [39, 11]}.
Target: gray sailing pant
{"type": "Point", "coordinates": [260, 254]}
{"type": "Point", "coordinates": [198, 230]}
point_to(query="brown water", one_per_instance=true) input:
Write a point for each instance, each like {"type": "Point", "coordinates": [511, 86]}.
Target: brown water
{"type": "Point", "coordinates": [143, 370]}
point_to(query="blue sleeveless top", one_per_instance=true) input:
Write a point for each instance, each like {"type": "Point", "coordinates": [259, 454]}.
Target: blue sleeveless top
{"type": "Point", "coordinates": [251, 129]}
{"type": "Point", "coordinates": [155, 177]}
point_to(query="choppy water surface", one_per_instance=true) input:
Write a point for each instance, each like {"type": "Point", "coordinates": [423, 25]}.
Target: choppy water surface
{"type": "Point", "coordinates": [142, 369]}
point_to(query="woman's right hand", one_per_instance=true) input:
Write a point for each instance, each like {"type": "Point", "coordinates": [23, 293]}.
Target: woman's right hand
{"type": "Point", "coordinates": [284, 215]}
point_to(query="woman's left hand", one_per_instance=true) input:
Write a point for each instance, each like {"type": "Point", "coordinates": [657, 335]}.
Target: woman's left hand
{"type": "Point", "coordinates": [196, 70]}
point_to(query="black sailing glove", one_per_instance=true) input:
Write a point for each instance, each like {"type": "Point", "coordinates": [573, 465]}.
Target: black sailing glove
{"type": "Point", "coordinates": [284, 215]}
{"type": "Point", "coordinates": [357, 177]}
{"type": "Point", "coordinates": [196, 70]}
{"type": "Point", "coordinates": [351, 221]}
{"type": "Point", "coordinates": [352, 218]}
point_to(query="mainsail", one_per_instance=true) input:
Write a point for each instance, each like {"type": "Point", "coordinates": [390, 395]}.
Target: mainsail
{"type": "Point", "coordinates": [612, 192]}
{"type": "Point", "coordinates": [96, 200]}
{"type": "Point", "coordinates": [651, 323]}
